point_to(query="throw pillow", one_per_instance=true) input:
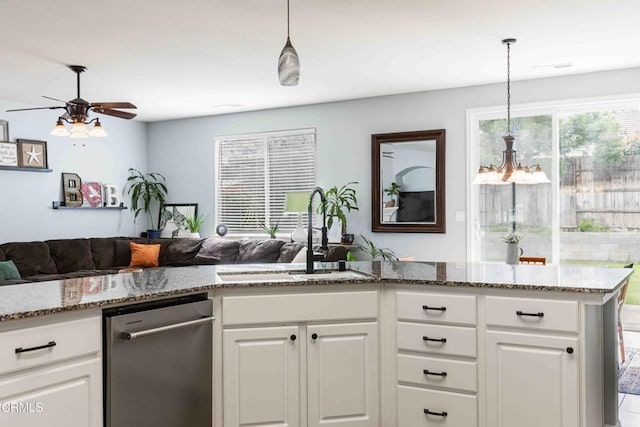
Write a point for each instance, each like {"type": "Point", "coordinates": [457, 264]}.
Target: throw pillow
{"type": "Point", "coordinates": [301, 256]}
{"type": "Point", "coordinates": [144, 255]}
{"type": "Point", "coordinates": [8, 271]}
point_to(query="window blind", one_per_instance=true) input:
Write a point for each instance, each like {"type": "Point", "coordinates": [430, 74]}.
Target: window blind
{"type": "Point", "coordinates": [255, 172]}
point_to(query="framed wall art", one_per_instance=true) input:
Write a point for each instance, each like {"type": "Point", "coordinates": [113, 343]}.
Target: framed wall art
{"type": "Point", "coordinates": [32, 154]}
{"type": "Point", "coordinates": [4, 130]}
{"type": "Point", "coordinates": [172, 219]}
{"type": "Point", "coordinates": [8, 154]}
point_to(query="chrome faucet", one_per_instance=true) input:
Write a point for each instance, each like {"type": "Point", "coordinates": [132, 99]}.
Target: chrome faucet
{"type": "Point", "coordinates": [325, 241]}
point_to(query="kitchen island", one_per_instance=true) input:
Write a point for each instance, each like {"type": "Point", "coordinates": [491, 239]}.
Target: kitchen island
{"type": "Point", "coordinates": [401, 344]}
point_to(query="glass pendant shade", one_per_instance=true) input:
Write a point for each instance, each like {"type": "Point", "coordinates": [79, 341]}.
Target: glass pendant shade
{"type": "Point", "coordinates": [289, 65]}
{"type": "Point", "coordinates": [97, 131]}
{"type": "Point", "coordinates": [60, 129]}
{"type": "Point", "coordinates": [79, 130]}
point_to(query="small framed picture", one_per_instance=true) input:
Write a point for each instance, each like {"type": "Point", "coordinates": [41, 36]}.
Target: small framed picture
{"type": "Point", "coordinates": [8, 154]}
{"type": "Point", "coordinates": [32, 154]}
{"type": "Point", "coordinates": [172, 219]}
{"type": "Point", "coordinates": [4, 130]}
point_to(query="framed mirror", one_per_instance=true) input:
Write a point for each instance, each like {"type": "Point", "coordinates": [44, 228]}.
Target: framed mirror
{"type": "Point", "coordinates": [408, 182]}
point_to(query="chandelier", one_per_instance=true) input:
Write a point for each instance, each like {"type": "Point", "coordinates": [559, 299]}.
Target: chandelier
{"type": "Point", "coordinates": [510, 170]}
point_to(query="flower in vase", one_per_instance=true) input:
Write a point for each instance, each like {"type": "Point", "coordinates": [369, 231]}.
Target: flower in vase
{"type": "Point", "coordinates": [511, 237]}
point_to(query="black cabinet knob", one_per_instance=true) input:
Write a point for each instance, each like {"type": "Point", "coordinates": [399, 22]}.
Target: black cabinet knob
{"type": "Point", "coordinates": [570, 350]}
{"type": "Point", "coordinates": [293, 337]}
{"type": "Point", "coordinates": [314, 336]}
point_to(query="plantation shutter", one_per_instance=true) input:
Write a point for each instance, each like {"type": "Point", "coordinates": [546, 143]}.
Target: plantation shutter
{"type": "Point", "coordinates": [255, 173]}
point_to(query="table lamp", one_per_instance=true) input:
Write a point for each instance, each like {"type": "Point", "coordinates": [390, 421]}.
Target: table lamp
{"type": "Point", "coordinates": [297, 202]}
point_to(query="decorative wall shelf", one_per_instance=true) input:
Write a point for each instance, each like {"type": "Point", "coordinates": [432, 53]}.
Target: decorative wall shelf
{"type": "Point", "coordinates": [61, 205]}
{"type": "Point", "coordinates": [15, 168]}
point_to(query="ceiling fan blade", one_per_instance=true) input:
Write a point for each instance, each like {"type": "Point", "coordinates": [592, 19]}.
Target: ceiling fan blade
{"type": "Point", "coordinates": [113, 105]}
{"type": "Point", "coordinates": [115, 113]}
{"type": "Point", "coordinates": [35, 108]}
{"type": "Point", "coordinates": [54, 99]}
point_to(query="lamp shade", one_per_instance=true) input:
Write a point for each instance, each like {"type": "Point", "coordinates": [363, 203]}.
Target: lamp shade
{"type": "Point", "coordinates": [296, 201]}
{"type": "Point", "coordinates": [289, 65]}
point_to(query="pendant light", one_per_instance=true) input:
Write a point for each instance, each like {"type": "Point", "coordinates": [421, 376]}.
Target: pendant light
{"type": "Point", "coordinates": [510, 171]}
{"type": "Point", "coordinates": [288, 62]}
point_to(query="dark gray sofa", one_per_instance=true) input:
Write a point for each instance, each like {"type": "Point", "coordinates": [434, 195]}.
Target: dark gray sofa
{"type": "Point", "coordinates": [73, 258]}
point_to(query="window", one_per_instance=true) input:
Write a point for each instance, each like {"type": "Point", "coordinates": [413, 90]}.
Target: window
{"type": "Point", "coordinates": [254, 173]}
{"type": "Point", "coordinates": [590, 213]}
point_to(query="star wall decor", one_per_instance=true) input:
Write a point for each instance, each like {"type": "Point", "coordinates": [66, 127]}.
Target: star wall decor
{"type": "Point", "coordinates": [32, 154]}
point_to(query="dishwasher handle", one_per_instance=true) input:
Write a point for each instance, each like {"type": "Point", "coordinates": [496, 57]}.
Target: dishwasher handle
{"type": "Point", "coordinates": [130, 336]}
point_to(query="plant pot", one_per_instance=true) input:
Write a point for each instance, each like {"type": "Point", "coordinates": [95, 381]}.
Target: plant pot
{"type": "Point", "coordinates": [391, 203]}
{"type": "Point", "coordinates": [153, 234]}
{"type": "Point", "coordinates": [194, 235]}
{"type": "Point", "coordinates": [513, 253]}
{"type": "Point", "coordinates": [347, 239]}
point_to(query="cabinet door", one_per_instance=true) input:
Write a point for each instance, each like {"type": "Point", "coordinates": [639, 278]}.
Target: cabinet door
{"type": "Point", "coordinates": [261, 377]}
{"type": "Point", "coordinates": [532, 380]}
{"type": "Point", "coordinates": [343, 375]}
{"type": "Point", "coordinates": [69, 395]}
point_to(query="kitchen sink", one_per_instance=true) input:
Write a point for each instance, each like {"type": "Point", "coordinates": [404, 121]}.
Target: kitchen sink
{"type": "Point", "coordinates": [285, 276]}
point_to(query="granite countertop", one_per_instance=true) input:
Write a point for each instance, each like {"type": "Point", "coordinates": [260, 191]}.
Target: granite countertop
{"type": "Point", "coordinates": [41, 298]}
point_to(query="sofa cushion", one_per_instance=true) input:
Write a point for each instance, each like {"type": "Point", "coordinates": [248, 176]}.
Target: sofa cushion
{"type": "Point", "coordinates": [144, 255]}
{"type": "Point", "coordinates": [259, 251]}
{"type": "Point", "coordinates": [122, 251]}
{"type": "Point", "coordinates": [288, 251]}
{"type": "Point", "coordinates": [2, 256]}
{"type": "Point", "coordinates": [71, 254]}
{"type": "Point", "coordinates": [216, 250]}
{"type": "Point", "coordinates": [180, 252]}
{"type": "Point", "coordinates": [103, 252]}
{"type": "Point", "coordinates": [31, 258]}
{"type": "Point", "coordinates": [9, 271]}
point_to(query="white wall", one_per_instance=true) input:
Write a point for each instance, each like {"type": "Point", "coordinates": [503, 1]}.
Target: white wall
{"type": "Point", "coordinates": [25, 197]}
{"type": "Point", "coordinates": [182, 150]}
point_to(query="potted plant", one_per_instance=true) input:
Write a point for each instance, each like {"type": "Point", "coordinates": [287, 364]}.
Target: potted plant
{"type": "Point", "coordinates": [338, 202]}
{"type": "Point", "coordinates": [144, 190]}
{"type": "Point", "coordinates": [271, 230]}
{"type": "Point", "coordinates": [193, 223]}
{"type": "Point", "coordinates": [375, 252]}
{"type": "Point", "coordinates": [392, 191]}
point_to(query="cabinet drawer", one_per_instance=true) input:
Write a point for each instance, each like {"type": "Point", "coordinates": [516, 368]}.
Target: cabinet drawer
{"type": "Point", "coordinates": [309, 307]}
{"type": "Point", "coordinates": [437, 308]}
{"type": "Point", "coordinates": [453, 340]}
{"type": "Point", "coordinates": [532, 313]}
{"type": "Point", "coordinates": [430, 371]}
{"type": "Point", "coordinates": [456, 410]}
{"type": "Point", "coordinates": [59, 341]}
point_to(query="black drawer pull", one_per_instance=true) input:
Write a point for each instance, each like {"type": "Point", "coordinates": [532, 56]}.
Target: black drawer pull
{"type": "Point", "coordinates": [439, 414]}
{"type": "Point", "coordinates": [440, 374]}
{"type": "Point", "coordinates": [40, 347]}
{"type": "Point", "coordinates": [426, 307]}
{"type": "Point", "coordinates": [314, 336]}
{"type": "Point", "coordinates": [522, 313]}
{"type": "Point", "coordinates": [570, 350]}
{"type": "Point", "coordinates": [293, 337]}
{"type": "Point", "coordinates": [442, 340]}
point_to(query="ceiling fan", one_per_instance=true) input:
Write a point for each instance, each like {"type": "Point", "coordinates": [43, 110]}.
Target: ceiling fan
{"type": "Point", "coordinates": [77, 112]}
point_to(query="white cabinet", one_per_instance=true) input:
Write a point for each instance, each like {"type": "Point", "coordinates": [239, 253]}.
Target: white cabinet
{"type": "Point", "coordinates": [261, 376]}
{"type": "Point", "coordinates": [532, 380]}
{"type": "Point", "coordinates": [342, 369]}
{"type": "Point", "coordinates": [323, 370]}
{"type": "Point", "coordinates": [436, 346]}
{"type": "Point", "coordinates": [50, 374]}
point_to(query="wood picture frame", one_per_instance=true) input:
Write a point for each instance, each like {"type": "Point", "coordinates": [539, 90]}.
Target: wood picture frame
{"type": "Point", "coordinates": [4, 130]}
{"type": "Point", "coordinates": [408, 182]}
{"type": "Point", "coordinates": [32, 154]}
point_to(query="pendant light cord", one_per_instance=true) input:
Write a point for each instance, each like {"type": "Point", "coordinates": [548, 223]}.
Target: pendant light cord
{"type": "Point", "coordinates": [287, 19]}
{"type": "Point", "coordinates": [509, 132]}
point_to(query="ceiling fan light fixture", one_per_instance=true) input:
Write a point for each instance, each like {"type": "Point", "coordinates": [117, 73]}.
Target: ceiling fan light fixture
{"type": "Point", "coordinates": [60, 129]}
{"type": "Point", "coordinates": [288, 62]}
{"type": "Point", "coordinates": [97, 131]}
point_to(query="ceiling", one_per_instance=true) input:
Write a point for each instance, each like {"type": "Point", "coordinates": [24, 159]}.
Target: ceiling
{"type": "Point", "coordinates": [188, 58]}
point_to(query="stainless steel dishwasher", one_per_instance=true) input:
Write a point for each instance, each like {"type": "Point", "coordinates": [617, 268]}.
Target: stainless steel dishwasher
{"type": "Point", "coordinates": [157, 364]}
